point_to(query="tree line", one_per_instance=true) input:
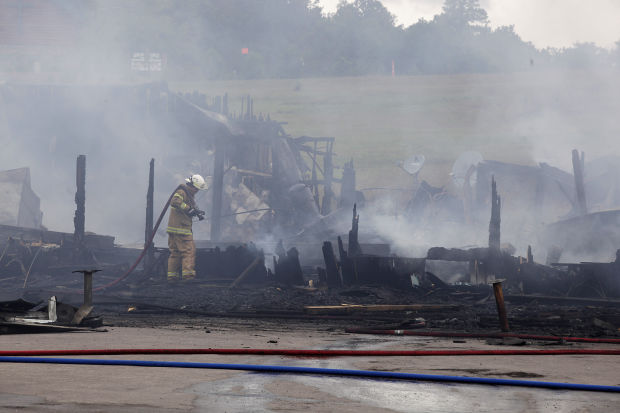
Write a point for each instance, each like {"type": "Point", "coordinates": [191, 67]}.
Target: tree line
{"type": "Point", "coordinates": [224, 39]}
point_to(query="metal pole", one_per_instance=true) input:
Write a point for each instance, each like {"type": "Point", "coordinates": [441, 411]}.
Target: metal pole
{"type": "Point", "coordinates": [88, 286]}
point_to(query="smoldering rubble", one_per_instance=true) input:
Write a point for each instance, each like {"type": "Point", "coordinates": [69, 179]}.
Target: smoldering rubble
{"type": "Point", "coordinates": [289, 234]}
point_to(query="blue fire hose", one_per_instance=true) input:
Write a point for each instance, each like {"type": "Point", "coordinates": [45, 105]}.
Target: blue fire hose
{"type": "Point", "coordinates": [319, 371]}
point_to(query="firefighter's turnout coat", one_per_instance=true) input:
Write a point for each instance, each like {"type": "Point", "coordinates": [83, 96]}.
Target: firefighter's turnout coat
{"type": "Point", "coordinates": [180, 237]}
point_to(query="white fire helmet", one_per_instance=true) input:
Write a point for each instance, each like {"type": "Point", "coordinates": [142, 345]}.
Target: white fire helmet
{"type": "Point", "coordinates": [197, 181]}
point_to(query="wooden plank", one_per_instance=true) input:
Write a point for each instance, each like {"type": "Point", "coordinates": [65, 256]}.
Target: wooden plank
{"type": "Point", "coordinates": [253, 173]}
{"type": "Point", "coordinates": [53, 237]}
{"type": "Point", "coordinates": [345, 308]}
{"type": "Point", "coordinates": [245, 272]}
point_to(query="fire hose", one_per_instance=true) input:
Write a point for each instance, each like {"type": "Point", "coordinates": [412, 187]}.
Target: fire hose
{"type": "Point", "coordinates": [321, 371]}
{"type": "Point", "coordinates": [308, 353]}
{"type": "Point", "coordinates": [150, 242]}
{"type": "Point", "coordinates": [144, 250]}
{"type": "Point", "coordinates": [482, 335]}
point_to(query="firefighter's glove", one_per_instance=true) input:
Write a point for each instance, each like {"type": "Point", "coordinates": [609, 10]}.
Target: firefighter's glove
{"type": "Point", "coordinates": [194, 212]}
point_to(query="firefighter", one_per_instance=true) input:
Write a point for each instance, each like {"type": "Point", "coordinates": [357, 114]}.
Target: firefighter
{"type": "Point", "coordinates": [180, 237]}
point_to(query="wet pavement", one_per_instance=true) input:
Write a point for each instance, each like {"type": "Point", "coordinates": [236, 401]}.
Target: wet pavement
{"type": "Point", "coordinates": [262, 393]}
{"type": "Point", "coordinates": [41, 387]}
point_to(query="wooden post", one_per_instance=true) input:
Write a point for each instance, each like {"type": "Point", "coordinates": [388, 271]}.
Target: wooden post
{"type": "Point", "coordinates": [347, 273]}
{"type": "Point", "coordinates": [467, 196]}
{"type": "Point", "coordinates": [347, 187]}
{"type": "Point", "coordinates": [501, 307]}
{"type": "Point", "coordinates": [331, 267]}
{"type": "Point", "coordinates": [80, 200]}
{"type": "Point", "coordinates": [148, 229]}
{"type": "Point", "coordinates": [315, 185]}
{"type": "Point", "coordinates": [354, 245]}
{"type": "Point", "coordinates": [473, 271]}
{"type": "Point", "coordinates": [494, 224]}
{"type": "Point", "coordinates": [579, 186]}
{"type": "Point", "coordinates": [328, 176]}
{"type": "Point", "coordinates": [218, 188]}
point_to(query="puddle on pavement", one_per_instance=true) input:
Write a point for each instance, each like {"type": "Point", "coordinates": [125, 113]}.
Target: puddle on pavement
{"type": "Point", "coordinates": [258, 392]}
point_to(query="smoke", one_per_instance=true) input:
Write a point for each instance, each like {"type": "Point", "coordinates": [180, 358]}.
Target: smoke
{"type": "Point", "coordinates": [48, 126]}
{"type": "Point", "coordinates": [537, 115]}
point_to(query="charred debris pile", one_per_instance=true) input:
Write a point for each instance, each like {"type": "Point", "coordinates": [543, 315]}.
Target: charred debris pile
{"type": "Point", "coordinates": [267, 182]}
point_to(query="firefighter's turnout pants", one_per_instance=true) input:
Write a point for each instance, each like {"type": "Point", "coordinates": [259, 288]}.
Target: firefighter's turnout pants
{"type": "Point", "coordinates": [182, 256]}
{"type": "Point", "coordinates": [180, 237]}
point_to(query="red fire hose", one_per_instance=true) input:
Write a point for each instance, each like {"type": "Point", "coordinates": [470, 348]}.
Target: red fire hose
{"type": "Point", "coordinates": [308, 353]}
{"type": "Point", "coordinates": [481, 335]}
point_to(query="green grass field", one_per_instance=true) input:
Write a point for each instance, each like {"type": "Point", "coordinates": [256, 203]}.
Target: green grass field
{"type": "Point", "coordinates": [522, 118]}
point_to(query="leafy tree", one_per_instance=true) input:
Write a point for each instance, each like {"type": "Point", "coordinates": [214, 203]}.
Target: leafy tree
{"type": "Point", "coordinates": [366, 38]}
{"type": "Point", "coordinates": [292, 38]}
{"type": "Point", "coordinates": [465, 12]}
{"type": "Point", "coordinates": [583, 55]}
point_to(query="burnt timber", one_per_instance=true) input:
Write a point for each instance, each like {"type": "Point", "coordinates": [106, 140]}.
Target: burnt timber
{"type": "Point", "coordinates": [294, 179]}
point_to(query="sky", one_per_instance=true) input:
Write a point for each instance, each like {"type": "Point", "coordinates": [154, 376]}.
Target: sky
{"type": "Point", "coordinates": [545, 23]}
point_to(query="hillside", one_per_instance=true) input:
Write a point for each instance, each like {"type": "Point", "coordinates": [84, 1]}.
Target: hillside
{"type": "Point", "coordinates": [523, 118]}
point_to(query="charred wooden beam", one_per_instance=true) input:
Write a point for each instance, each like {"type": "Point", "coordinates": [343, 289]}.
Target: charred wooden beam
{"type": "Point", "coordinates": [456, 254]}
{"type": "Point", "coordinates": [315, 188]}
{"type": "Point", "coordinates": [148, 228]}
{"type": "Point", "coordinates": [280, 251]}
{"type": "Point", "coordinates": [494, 224]}
{"type": "Point", "coordinates": [288, 269]}
{"type": "Point", "coordinates": [354, 245]}
{"type": "Point", "coordinates": [218, 188]}
{"type": "Point", "coordinates": [347, 189]}
{"type": "Point", "coordinates": [304, 139]}
{"type": "Point", "coordinates": [80, 200]}
{"type": "Point", "coordinates": [287, 184]}
{"type": "Point", "coordinates": [578, 163]}
{"type": "Point", "coordinates": [346, 265]}
{"type": "Point", "coordinates": [331, 267]}
{"type": "Point", "coordinates": [328, 175]}
{"type": "Point", "coordinates": [341, 251]}
{"type": "Point", "coordinates": [322, 276]}
{"type": "Point", "coordinates": [304, 148]}
{"type": "Point", "coordinates": [245, 272]}
{"type": "Point", "coordinates": [253, 173]}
